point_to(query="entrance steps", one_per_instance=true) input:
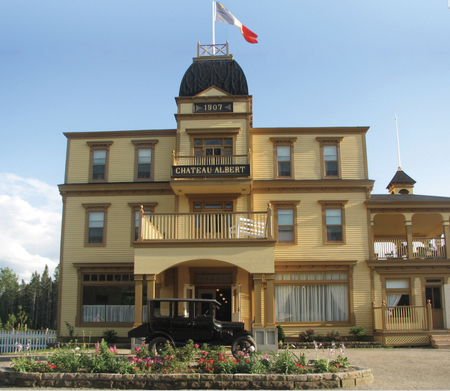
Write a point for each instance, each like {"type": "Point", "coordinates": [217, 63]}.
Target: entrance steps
{"type": "Point", "coordinates": [440, 341]}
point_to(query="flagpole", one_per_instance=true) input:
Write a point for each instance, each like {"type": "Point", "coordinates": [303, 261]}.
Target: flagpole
{"type": "Point", "coordinates": [214, 33]}
{"type": "Point", "coordinates": [398, 144]}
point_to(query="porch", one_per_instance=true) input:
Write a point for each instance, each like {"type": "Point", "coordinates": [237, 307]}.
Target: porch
{"type": "Point", "coordinates": [404, 325]}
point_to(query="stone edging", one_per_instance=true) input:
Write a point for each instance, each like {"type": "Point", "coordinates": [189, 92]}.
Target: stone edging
{"type": "Point", "coordinates": [357, 376]}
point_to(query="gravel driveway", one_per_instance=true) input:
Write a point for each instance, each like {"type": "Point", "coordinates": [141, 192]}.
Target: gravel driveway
{"type": "Point", "coordinates": [403, 368]}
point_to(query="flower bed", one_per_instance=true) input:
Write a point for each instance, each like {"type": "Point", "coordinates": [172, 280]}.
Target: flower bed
{"type": "Point", "coordinates": [190, 366]}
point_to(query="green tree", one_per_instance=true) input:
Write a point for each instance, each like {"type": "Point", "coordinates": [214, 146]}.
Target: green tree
{"type": "Point", "coordinates": [9, 292]}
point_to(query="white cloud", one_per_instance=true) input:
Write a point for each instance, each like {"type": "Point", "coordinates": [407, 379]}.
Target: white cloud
{"type": "Point", "coordinates": [30, 225]}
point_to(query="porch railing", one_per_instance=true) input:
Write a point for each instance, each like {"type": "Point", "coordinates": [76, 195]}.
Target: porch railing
{"type": "Point", "coordinates": [210, 160]}
{"type": "Point", "coordinates": [431, 248]}
{"type": "Point", "coordinates": [205, 226]}
{"type": "Point", "coordinates": [402, 318]}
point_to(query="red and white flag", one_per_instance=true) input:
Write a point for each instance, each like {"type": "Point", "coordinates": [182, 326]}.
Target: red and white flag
{"type": "Point", "coordinates": [221, 14]}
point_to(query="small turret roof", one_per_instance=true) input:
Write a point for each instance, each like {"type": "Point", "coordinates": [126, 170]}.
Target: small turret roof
{"type": "Point", "coordinates": [401, 177]}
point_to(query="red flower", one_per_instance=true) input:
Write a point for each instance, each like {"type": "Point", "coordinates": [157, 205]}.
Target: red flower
{"type": "Point", "coordinates": [136, 368]}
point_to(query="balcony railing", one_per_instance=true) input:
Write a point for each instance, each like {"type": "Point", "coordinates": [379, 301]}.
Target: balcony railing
{"type": "Point", "coordinates": [423, 248]}
{"type": "Point", "coordinates": [210, 160]}
{"type": "Point", "coordinates": [403, 318]}
{"type": "Point", "coordinates": [205, 226]}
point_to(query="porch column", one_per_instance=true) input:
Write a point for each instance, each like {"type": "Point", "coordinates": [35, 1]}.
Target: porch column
{"type": "Point", "coordinates": [270, 300]}
{"type": "Point", "coordinates": [409, 238]}
{"type": "Point", "coordinates": [371, 239]}
{"type": "Point", "coordinates": [138, 279]}
{"type": "Point", "coordinates": [151, 286]}
{"type": "Point", "coordinates": [447, 238]}
{"type": "Point", "coordinates": [257, 284]}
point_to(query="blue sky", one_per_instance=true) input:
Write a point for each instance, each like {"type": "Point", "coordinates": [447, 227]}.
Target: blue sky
{"type": "Point", "coordinates": [74, 66]}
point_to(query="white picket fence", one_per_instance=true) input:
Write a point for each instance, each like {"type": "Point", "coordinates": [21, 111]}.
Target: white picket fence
{"type": "Point", "coordinates": [14, 341]}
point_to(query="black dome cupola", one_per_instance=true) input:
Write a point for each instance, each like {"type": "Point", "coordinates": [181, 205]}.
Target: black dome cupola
{"type": "Point", "coordinates": [224, 73]}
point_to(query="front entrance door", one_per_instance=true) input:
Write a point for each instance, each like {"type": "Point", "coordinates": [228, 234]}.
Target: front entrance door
{"type": "Point", "coordinates": [434, 294]}
{"type": "Point", "coordinates": [223, 296]}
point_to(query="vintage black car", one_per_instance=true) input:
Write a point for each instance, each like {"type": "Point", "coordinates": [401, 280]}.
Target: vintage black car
{"type": "Point", "coordinates": [179, 320]}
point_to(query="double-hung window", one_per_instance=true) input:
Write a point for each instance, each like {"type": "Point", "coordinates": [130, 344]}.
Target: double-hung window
{"type": "Point", "coordinates": [333, 221]}
{"type": "Point", "coordinates": [99, 160]}
{"type": "Point", "coordinates": [286, 221]}
{"type": "Point", "coordinates": [144, 160]}
{"type": "Point", "coordinates": [96, 216]}
{"type": "Point", "coordinates": [330, 157]}
{"type": "Point", "coordinates": [283, 149]}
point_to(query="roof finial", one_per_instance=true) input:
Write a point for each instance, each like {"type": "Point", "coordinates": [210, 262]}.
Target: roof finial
{"type": "Point", "coordinates": [398, 144]}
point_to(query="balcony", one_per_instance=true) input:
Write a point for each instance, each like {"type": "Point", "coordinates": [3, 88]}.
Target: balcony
{"type": "Point", "coordinates": [397, 248]}
{"type": "Point", "coordinates": [240, 226]}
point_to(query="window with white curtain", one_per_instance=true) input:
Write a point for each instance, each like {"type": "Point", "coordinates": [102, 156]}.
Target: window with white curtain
{"type": "Point", "coordinates": [109, 298]}
{"type": "Point", "coordinates": [303, 299]}
{"type": "Point", "coordinates": [397, 292]}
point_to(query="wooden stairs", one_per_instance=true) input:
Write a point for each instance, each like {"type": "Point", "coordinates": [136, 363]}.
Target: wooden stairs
{"type": "Point", "coordinates": [440, 341]}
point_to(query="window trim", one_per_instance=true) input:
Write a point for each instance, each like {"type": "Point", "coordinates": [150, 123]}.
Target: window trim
{"type": "Point", "coordinates": [119, 268]}
{"type": "Point", "coordinates": [95, 146]}
{"type": "Point", "coordinates": [333, 204]}
{"type": "Point", "coordinates": [135, 207]}
{"type": "Point", "coordinates": [144, 144]}
{"type": "Point", "coordinates": [324, 267]}
{"type": "Point", "coordinates": [330, 141]}
{"type": "Point", "coordinates": [283, 142]}
{"type": "Point", "coordinates": [291, 205]}
{"type": "Point", "coordinates": [95, 208]}
{"type": "Point", "coordinates": [409, 291]}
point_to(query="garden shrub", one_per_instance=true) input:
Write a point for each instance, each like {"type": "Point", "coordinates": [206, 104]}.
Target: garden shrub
{"type": "Point", "coordinates": [281, 333]}
{"type": "Point", "coordinates": [109, 335]}
{"type": "Point", "coordinates": [307, 335]}
{"type": "Point", "coordinates": [358, 331]}
{"type": "Point", "coordinates": [334, 335]}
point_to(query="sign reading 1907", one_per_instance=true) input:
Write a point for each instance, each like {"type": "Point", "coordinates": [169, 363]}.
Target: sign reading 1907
{"type": "Point", "coordinates": [213, 107]}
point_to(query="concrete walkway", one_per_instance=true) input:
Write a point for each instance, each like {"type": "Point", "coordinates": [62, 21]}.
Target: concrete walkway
{"type": "Point", "coordinates": [393, 369]}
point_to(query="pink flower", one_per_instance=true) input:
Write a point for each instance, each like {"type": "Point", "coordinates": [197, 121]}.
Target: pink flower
{"type": "Point", "coordinates": [205, 353]}
{"type": "Point", "coordinates": [97, 347]}
{"type": "Point", "coordinates": [137, 349]}
{"type": "Point", "coordinates": [196, 346]}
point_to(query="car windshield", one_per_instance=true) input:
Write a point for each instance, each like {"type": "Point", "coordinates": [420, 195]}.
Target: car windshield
{"type": "Point", "coordinates": [181, 309]}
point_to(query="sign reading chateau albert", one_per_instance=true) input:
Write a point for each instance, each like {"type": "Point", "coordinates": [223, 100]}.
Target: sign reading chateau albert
{"type": "Point", "coordinates": [211, 171]}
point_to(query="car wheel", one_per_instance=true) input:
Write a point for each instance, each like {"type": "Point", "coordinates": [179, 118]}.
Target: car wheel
{"type": "Point", "coordinates": [243, 344]}
{"type": "Point", "coordinates": [157, 345]}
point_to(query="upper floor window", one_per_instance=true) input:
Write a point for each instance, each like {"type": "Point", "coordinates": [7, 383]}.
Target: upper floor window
{"type": "Point", "coordinates": [144, 159]}
{"type": "Point", "coordinates": [330, 157]}
{"type": "Point", "coordinates": [99, 160]}
{"type": "Point", "coordinates": [333, 221]}
{"type": "Point", "coordinates": [283, 157]}
{"type": "Point", "coordinates": [286, 217]}
{"type": "Point", "coordinates": [213, 151]}
{"type": "Point", "coordinates": [95, 231]}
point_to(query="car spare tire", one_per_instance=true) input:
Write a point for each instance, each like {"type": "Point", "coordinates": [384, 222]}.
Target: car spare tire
{"type": "Point", "coordinates": [244, 344]}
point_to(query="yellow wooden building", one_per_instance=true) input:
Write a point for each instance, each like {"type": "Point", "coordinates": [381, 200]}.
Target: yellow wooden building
{"type": "Point", "coordinates": [278, 224]}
